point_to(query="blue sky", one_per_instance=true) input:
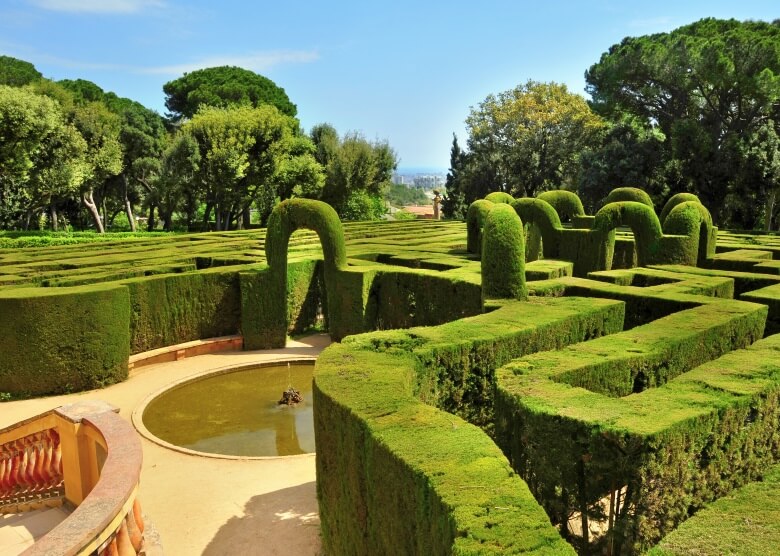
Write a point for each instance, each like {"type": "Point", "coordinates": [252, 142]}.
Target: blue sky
{"type": "Point", "coordinates": [405, 71]}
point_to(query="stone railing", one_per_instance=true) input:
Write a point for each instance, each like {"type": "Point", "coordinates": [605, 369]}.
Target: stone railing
{"type": "Point", "coordinates": [83, 456]}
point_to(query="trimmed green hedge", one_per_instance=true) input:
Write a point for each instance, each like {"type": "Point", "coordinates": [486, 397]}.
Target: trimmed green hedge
{"type": "Point", "coordinates": [631, 194]}
{"type": "Point", "coordinates": [475, 220]}
{"type": "Point", "coordinates": [742, 523]}
{"type": "Point", "coordinates": [176, 308]}
{"type": "Point", "coordinates": [503, 255]}
{"type": "Point", "coordinates": [406, 299]}
{"type": "Point", "coordinates": [287, 217]}
{"type": "Point", "coordinates": [566, 203]}
{"type": "Point", "coordinates": [675, 200]}
{"type": "Point", "coordinates": [499, 197]}
{"type": "Point", "coordinates": [63, 340]}
{"type": "Point", "coordinates": [392, 470]}
{"type": "Point", "coordinates": [664, 451]}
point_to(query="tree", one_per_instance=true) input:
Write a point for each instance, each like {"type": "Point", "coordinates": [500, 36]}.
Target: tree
{"type": "Point", "coordinates": [222, 87]}
{"type": "Point", "coordinates": [530, 137]}
{"type": "Point", "coordinates": [357, 172]}
{"type": "Point", "coordinates": [626, 154]}
{"type": "Point", "coordinates": [15, 73]}
{"type": "Point", "coordinates": [707, 87]}
{"type": "Point", "coordinates": [42, 156]}
{"type": "Point", "coordinates": [454, 202]}
{"type": "Point", "coordinates": [142, 136]}
{"type": "Point", "coordinates": [248, 154]}
{"type": "Point", "coordinates": [100, 128]}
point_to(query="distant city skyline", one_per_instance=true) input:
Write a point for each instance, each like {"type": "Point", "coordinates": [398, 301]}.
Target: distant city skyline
{"type": "Point", "coordinates": [405, 72]}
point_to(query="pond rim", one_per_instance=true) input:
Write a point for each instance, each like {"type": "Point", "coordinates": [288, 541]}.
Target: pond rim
{"type": "Point", "coordinates": [138, 412]}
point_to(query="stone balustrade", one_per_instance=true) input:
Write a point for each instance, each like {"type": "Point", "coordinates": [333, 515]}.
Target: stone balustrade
{"type": "Point", "coordinates": [83, 456]}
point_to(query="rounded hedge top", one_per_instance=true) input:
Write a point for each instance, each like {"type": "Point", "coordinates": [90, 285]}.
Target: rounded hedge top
{"type": "Point", "coordinates": [503, 254]}
{"type": "Point", "coordinates": [638, 216]}
{"type": "Point", "coordinates": [686, 217]}
{"type": "Point", "coordinates": [475, 219]}
{"type": "Point", "coordinates": [293, 214]}
{"type": "Point", "coordinates": [566, 203]}
{"type": "Point", "coordinates": [499, 197]}
{"type": "Point", "coordinates": [634, 194]}
{"type": "Point", "coordinates": [675, 200]}
{"type": "Point", "coordinates": [539, 212]}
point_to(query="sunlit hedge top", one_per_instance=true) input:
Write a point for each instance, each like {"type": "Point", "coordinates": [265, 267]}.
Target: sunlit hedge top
{"type": "Point", "coordinates": [629, 194]}
{"type": "Point", "coordinates": [293, 214]}
{"type": "Point", "coordinates": [566, 203]}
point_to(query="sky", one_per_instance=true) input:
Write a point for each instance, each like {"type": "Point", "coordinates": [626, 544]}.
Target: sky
{"type": "Point", "coordinates": [404, 71]}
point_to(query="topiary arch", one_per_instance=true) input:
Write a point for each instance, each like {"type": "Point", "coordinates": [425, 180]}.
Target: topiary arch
{"type": "Point", "coordinates": [287, 217]}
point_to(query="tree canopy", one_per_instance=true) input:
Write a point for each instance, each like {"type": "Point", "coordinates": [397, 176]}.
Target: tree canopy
{"type": "Point", "coordinates": [222, 87]}
{"type": "Point", "coordinates": [357, 172]}
{"type": "Point", "coordinates": [709, 88]}
{"type": "Point", "coordinates": [16, 72]}
{"type": "Point", "coordinates": [249, 155]}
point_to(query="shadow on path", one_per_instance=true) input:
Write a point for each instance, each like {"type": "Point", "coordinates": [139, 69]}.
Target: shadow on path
{"type": "Point", "coordinates": [282, 522]}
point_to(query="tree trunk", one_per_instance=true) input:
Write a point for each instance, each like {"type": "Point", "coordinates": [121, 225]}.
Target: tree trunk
{"type": "Point", "coordinates": [128, 206]}
{"type": "Point", "coordinates": [207, 216]}
{"type": "Point", "coordinates": [167, 218]}
{"type": "Point", "coordinates": [246, 217]}
{"type": "Point", "coordinates": [53, 212]}
{"type": "Point", "coordinates": [104, 212]}
{"type": "Point", "coordinates": [150, 223]}
{"type": "Point", "coordinates": [770, 209]}
{"type": "Point", "coordinates": [89, 202]}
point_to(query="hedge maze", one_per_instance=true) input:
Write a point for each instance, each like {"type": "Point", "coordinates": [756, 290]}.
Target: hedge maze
{"type": "Point", "coordinates": [534, 380]}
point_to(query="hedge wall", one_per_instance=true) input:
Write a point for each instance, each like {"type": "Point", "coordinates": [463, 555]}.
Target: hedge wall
{"type": "Point", "coordinates": [392, 470]}
{"type": "Point", "coordinates": [176, 308]}
{"type": "Point", "coordinates": [742, 523]}
{"type": "Point", "coordinates": [662, 451]}
{"type": "Point", "coordinates": [63, 340]}
{"type": "Point", "coordinates": [503, 255]}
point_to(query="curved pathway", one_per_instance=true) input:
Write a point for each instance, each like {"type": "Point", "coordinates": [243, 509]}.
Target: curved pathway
{"type": "Point", "coordinates": [202, 505]}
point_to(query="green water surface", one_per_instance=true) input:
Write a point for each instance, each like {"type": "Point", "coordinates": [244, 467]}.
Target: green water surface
{"type": "Point", "coordinates": [237, 413]}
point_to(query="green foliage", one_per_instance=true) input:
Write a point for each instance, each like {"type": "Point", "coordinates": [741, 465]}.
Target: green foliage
{"type": "Point", "coordinates": [361, 205]}
{"type": "Point", "coordinates": [668, 449]}
{"type": "Point", "coordinates": [369, 423]}
{"type": "Point", "coordinates": [59, 341]}
{"type": "Point", "coordinates": [400, 195]}
{"type": "Point", "coordinates": [624, 153]}
{"type": "Point", "coordinates": [357, 172]}
{"type": "Point", "coordinates": [503, 254]}
{"type": "Point", "coordinates": [642, 220]}
{"type": "Point", "coordinates": [709, 88]}
{"type": "Point", "coordinates": [499, 197]}
{"type": "Point", "coordinates": [223, 87]}
{"type": "Point", "coordinates": [17, 73]}
{"type": "Point", "coordinates": [41, 156]}
{"type": "Point", "coordinates": [475, 221]}
{"type": "Point", "coordinates": [454, 204]}
{"type": "Point", "coordinates": [287, 217]}
{"type": "Point", "coordinates": [532, 135]}
{"type": "Point", "coordinates": [633, 194]}
{"type": "Point", "coordinates": [675, 200]}
{"type": "Point", "coordinates": [566, 203]}
{"type": "Point", "coordinates": [742, 523]}
{"type": "Point", "coordinates": [168, 310]}
{"type": "Point", "coordinates": [545, 224]}
{"type": "Point", "coordinates": [248, 154]}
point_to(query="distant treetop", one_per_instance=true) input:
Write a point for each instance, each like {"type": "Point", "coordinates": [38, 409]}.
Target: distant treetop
{"type": "Point", "coordinates": [15, 72]}
{"type": "Point", "coordinates": [221, 87]}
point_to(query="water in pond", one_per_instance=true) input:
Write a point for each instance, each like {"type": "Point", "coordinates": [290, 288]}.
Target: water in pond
{"type": "Point", "coordinates": [237, 413]}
